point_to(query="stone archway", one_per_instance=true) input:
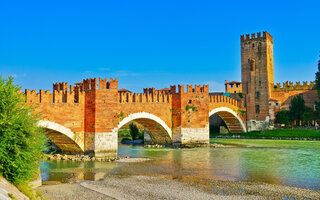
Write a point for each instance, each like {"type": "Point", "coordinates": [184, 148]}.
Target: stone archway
{"type": "Point", "coordinates": [158, 130]}
{"type": "Point", "coordinates": [232, 120]}
{"type": "Point", "coordinates": [63, 137]}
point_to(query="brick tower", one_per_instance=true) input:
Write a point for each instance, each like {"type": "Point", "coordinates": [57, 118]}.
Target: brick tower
{"type": "Point", "coordinates": [257, 77]}
{"type": "Point", "coordinates": [190, 115]}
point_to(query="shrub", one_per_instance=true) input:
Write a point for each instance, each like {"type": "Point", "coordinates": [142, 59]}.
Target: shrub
{"type": "Point", "coordinates": [134, 131]}
{"type": "Point", "coordinates": [283, 117]}
{"type": "Point", "coordinates": [21, 140]}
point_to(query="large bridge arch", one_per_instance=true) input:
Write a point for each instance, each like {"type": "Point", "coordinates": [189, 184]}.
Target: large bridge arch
{"type": "Point", "coordinates": [63, 137]}
{"type": "Point", "coordinates": [232, 120]}
{"type": "Point", "coordinates": [158, 130]}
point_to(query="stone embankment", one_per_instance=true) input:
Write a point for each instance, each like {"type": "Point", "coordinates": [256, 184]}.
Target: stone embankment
{"type": "Point", "coordinates": [81, 158]}
{"type": "Point", "coordinates": [9, 191]}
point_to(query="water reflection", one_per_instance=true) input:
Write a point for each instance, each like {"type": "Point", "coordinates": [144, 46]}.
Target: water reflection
{"type": "Point", "coordinates": [291, 163]}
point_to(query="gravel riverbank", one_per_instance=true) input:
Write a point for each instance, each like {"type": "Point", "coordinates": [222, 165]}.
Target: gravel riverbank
{"type": "Point", "coordinates": [150, 187]}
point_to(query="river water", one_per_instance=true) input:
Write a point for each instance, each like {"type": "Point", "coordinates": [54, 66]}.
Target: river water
{"type": "Point", "coordinates": [291, 163]}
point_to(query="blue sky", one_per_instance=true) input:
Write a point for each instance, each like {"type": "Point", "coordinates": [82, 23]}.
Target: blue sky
{"type": "Point", "coordinates": [152, 43]}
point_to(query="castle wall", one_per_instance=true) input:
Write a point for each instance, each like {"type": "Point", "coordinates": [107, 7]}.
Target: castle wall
{"type": "Point", "coordinates": [285, 97]}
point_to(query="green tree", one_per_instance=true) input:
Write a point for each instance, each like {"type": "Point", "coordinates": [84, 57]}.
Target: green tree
{"type": "Point", "coordinates": [283, 117]}
{"type": "Point", "coordinates": [21, 140]}
{"type": "Point", "coordinates": [308, 115]}
{"type": "Point", "coordinates": [297, 108]}
{"type": "Point", "coordinates": [134, 131]}
{"type": "Point", "coordinates": [317, 86]}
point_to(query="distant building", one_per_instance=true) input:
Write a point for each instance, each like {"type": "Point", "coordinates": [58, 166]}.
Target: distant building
{"type": "Point", "coordinates": [233, 87]}
{"type": "Point", "coordinates": [124, 91]}
{"type": "Point", "coordinates": [165, 91]}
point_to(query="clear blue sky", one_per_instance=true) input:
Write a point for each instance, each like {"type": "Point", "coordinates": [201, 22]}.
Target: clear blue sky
{"type": "Point", "coordinates": [152, 43]}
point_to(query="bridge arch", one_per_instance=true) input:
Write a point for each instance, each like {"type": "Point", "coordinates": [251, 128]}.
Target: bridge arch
{"type": "Point", "coordinates": [63, 137]}
{"type": "Point", "coordinates": [231, 118]}
{"type": "Point", "coordinates": [158, 130]}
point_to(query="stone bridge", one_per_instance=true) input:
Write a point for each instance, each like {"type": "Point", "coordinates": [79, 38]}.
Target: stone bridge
{"type": "Point", "coordinates": [86, 118]}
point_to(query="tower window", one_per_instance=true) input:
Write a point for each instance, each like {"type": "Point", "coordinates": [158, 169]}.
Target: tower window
{"type": "Point", "coordinates": [257, 95]}
{"type": "Point", "coordinates": [257, 109]}
{"type": "Point", "coordinates": [259, 83]}
{"type": "Point", "coordinates": [253, 45]}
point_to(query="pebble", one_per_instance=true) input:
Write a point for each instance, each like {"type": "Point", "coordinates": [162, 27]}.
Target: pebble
{"type": "Point", "coordinates": [83, 158]}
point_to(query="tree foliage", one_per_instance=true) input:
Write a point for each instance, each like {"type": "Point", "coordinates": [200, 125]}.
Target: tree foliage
{"type": "Point", "coordinates": [297, 108]}
{"type": "Point", "coordinates": [283, 117]}
{"type": "Point", "coordinates": [134, 131]}
{"type": "Point", "coordinates": [21, 140]}
{"type": "Point", "coordinates": [317, 85]}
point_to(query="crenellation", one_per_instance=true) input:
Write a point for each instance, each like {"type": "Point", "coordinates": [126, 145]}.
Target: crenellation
{"type": "Point", "coordinates": [288, 86]}
{"type": "Point", "coordinates": [181, 89]}
{"type": "Point", "coordinates": [256, 37]}
{"type": "Point", "coordinates": [197, 88]}
{"type": "Point", "coordinates": [113, 84]}
{"type": "Point", "coordinates": [102, 83]}
{"type": "Point", "coordinates": [69, 97]}
{"type": "Point", "coordinates": [173, 89]}
{"type": "Point", "coordinates": [259, 35]}
{"type": "Point", "coordinates": [32, 96]}
{"type": "Point", "coordinates": [58, 96]}
{"type": "Point", "coordinates": [128, 97]}
{"type": "Point", "coordinates": [46, 96]}
{"type": "Point", "coordinates": [60, 86]}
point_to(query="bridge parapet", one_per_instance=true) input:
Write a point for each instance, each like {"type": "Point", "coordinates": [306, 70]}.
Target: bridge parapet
{"type": "Point", "coordinates": [224, 99]}
{"type": "Point", "coordinates": [128, 97]}
{"type": "Point", "coordinates": [58, 96]}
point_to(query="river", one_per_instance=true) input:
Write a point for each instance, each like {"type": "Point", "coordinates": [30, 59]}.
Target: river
{"type": "Point", "coordinates": [283, 162]}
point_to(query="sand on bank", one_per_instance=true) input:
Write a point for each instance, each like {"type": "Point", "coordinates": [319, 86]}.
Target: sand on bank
{"type": "Point", "coordinates": [149, 187]}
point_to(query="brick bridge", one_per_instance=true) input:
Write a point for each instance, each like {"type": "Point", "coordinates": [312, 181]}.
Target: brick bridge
{"type": "Point", "coordinates": [86, 118]}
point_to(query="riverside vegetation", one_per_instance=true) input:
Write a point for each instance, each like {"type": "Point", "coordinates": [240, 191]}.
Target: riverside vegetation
{"type": "Point", "coordinates": [21, 140]}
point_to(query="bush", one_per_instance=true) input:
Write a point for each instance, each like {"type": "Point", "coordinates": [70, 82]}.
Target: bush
{"type": "Point", "coordinates": [21, 140]}
{"type": "Point", "coordinates": [134, 131]}
{"type": "Point", "coordinates": [283, 117]}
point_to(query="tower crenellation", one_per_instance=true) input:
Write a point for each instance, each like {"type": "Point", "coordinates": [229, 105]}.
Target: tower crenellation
{"type": "Point", "coordinates": [256, 37]}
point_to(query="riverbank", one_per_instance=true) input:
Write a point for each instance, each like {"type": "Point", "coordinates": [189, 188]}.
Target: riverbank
{"type": "Point", "coordinates": [276, 134]}
{"type": "Point", "coordinates": [143, 187]}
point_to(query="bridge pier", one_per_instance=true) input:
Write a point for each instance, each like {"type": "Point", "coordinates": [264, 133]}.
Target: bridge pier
{"type": "Point", "coordinates": [147, 138]}
{"type": "Point", "coordinates": [189, 137]}
{"type": "Point", "coordinates": [106, 144]}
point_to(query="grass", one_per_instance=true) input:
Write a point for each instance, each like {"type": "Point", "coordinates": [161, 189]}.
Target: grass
{"type": "Point", "coordinates": [277, 133]}
{"type": "Point", "coordinates": [26, 189]}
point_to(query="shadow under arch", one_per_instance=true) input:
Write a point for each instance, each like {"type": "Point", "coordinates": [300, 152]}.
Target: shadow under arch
{"type": "Point", "coordinates": [158, 130]}
{"type": "Point", "coordinates": [63, 137]}
{"type": "Point", "coordinates": [232, 120]}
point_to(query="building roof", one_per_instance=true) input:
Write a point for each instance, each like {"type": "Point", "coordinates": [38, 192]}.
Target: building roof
{"type": "Point", "coordinates": [79, 83]}
{"type": "Point", "coordinates": [233, 82]}
{"type": "Point", "coordinates": [165, 89]}
{"type": "Point", "coordinates": [124, 90]}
